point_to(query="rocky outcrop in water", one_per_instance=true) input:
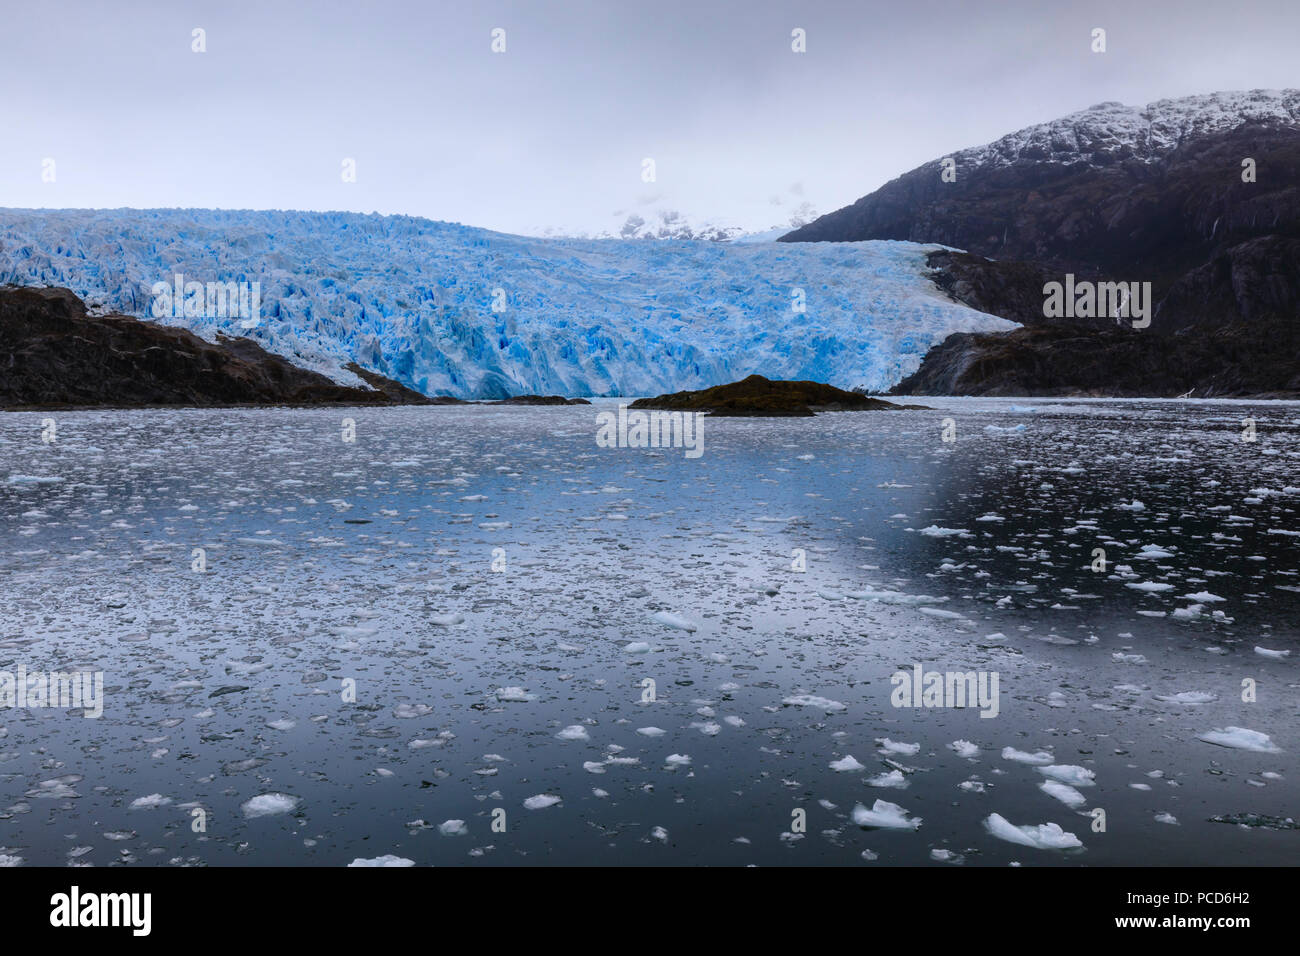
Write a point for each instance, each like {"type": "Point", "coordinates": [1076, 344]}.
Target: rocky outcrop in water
{"type": "Point", "coordinates": [759, 397]}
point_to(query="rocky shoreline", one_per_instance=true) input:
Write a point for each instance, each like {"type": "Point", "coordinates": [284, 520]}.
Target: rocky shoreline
{"type": "Point", "coordinates": [56, 356]}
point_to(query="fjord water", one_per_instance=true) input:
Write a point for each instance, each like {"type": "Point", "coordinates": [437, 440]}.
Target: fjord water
{"type": "Point", "coordinates": [370, 564]}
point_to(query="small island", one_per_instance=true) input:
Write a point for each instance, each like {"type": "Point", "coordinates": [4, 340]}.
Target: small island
{"type": "Point", "coordinates": [759, 397]}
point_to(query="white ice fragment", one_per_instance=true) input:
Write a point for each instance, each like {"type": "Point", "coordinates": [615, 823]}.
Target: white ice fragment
{"type": "Point", "coordinates": [1069, 796]}
{"type": "Point", "coordinates": [1019, 756]}
{"type": "Point", "coordinates": [885, 815]}
{"type": "Point", "coordinates": [809, 700]}
{"type": "Point", "coordinates": [675, 621]}
{"type": "Point", "coordinates": [1241, 739]}
{"type": "Point", "coordinates": [1045, 836]}
{"type": "Point", "coordinates": [268, 804]}
{"type": "Point", "coordinates": [388, 859]}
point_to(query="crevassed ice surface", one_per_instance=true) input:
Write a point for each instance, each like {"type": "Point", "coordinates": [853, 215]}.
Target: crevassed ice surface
{"type": "Point", "coordinates": [412, 299]}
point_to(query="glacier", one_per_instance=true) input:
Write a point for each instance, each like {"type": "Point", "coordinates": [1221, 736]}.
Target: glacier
{"type": "Point", "coordinates": [413, 299]}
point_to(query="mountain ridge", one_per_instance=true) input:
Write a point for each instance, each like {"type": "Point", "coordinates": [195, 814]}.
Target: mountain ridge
{"type": "Point", "coordinates": [1198, 196]}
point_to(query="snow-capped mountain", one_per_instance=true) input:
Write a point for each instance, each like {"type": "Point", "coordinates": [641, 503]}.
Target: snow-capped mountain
{"type": "Point", "coordinates": [654, 216]}
{"type": "Point", "coordinates": [1151, 193]}
{"type": "Point", "coordinates": [453, 310]}
{"type": "Point", "coordinates": [1195, 197]}
{"type": "Point", "coordinates": [1113, 131]}
{"type": "Point", "coordinates": [653, 223]}
{"type": "Point", "coordinates": [1033, 166]}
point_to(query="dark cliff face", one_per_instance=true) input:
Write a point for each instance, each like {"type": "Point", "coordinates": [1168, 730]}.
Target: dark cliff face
{"type": "Point", "coordinates": [1222, 256]}
{"type": "Point", "coordinates": [1125, 220]}
{"type": "Point", "coordinates": [1012, 290]}
{"type": "Point", "coordinates": [1165, 215]}
{"type": "Point", "coordinates": [1235, 359]}
{"type": "Point", "coordinates": [53, 354]}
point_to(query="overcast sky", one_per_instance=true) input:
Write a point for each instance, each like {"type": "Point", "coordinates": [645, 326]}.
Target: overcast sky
{"type": "Point", "coordinates": [553, 132]}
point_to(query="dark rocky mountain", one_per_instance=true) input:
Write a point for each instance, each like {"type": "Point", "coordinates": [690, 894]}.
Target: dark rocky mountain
{"type": "Point", "coordinates": [1066, 359]}
{"type": "Point", "coordinates": [1116, 194]}
{"type": "Point", "coordinates": [53, 354]}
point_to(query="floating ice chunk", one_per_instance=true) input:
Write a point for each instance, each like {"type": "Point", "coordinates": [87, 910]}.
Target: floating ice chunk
{"type": "Point", "coordinates": [151, 802]}
{"type": "Point", "coordinates": [888, 746]}
{"type": "Point", "coordinates": [574, 732]}
{"type": "Point", "coordinates": [1167, 818]}
{"type": "Point", "coordinates": [514, 695]}
{"type": "Point", "coordinates": [847, 764]}
{"type": "Point", "coordinates": [894, 597]}
{"type": "Point", "coordinates": [1071, 774]}
{"type": "Point", "coordinates": [1042, 757]}
{"type": "Point", "coordinates": [268, 804]}
{"type": "Point", "coordinates": [412, 710]}
{"type": "Point", "coordinates": [964, 748]}
{"type": "Point", "coordinates": [885, 815]}
{"type": "Point", "coordinates": [1151, 587]}
{"type": "Point", "coordinates": [894, 780]}
{"type": "Point", "coordinates": [934, 531]}
{"type": "Point", "coordinates": [1045, 836]}
{"type": "Point", "coordinates": [1134, 505]}
{"type": "Point", "coordinates": [636, 647]}
{"type": "Point", "coordinates": [677, 760]}
{"type": "Point", "coordinates": [1003, 430]}
{"type": "Point", "coordinates": [660, 834]}
{"type": "Point", "coordinates": [453, 828]}
{"type": "Point", "coordinates": [651, 731]}
{"type": "Point", "coordinates": [1204, 597]}
{"type": "Point", "coordinates": [1064, 792]}
{"type": "Point", "coordinates": [809, 700]}
{"type": "Point", "coordinates": [446, 620]}
{"type": "Point", "coordinates": [1152, 552]}
{"type": "Point", "coordinates": [1188, 697]}
{"type": "Point", "coordinates": [541, 801]}
{"type": "Point", "coordinates": [388, 859]}
{"type": "Point", "coordinates": [1241, 739]}
{"type": "Point", "coordinates": [1275, 655]}
{"type": "Point", "coordinates": [283, 723]}
{"type": "Point", "coordinates": [668, 619]}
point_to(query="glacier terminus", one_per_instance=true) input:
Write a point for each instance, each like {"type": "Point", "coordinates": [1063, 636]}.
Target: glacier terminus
{"type": "Point", "coordinates": [469, 313]}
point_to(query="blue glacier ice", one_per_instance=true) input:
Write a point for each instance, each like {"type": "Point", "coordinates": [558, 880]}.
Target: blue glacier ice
{"type": "Point", "coordinates": [413, 299]}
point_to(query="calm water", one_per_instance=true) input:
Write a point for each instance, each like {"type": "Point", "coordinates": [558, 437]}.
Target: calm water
{"type": "Point", "coordinates": [371, 564]}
